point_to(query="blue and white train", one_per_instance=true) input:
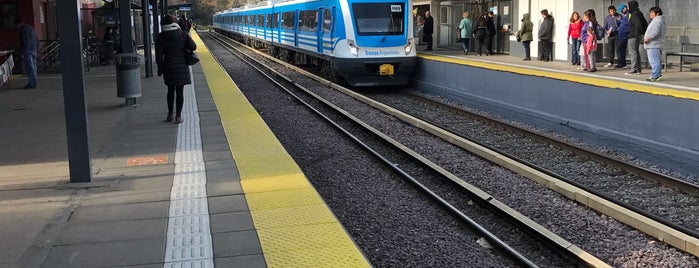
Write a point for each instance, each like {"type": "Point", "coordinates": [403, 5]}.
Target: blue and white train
{"type": "Point", "coordinates": [365, 42]}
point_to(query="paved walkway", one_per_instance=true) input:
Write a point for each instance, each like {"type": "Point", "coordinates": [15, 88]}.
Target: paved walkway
{"type": "Point", "coordinates": [121, 218]}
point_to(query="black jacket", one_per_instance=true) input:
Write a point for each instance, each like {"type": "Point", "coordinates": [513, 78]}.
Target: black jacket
{"type": "Point", "coordinates": [429, 26]}
{"type": "Point", "coordinates": [490, 25]}
{"type": "Point", "coordinates": [637, 22]}
{"type": "Point", "coordinates": [169, 54]}
{"type": "Point", "coordinates": [546, 29]}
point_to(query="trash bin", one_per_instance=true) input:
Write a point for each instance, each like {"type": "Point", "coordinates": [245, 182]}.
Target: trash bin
{"type": "Point", "coordinates": [128, 67]}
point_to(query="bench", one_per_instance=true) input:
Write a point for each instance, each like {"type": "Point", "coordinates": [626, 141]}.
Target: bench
{"type": "Point", "coordinates": [683, 40]}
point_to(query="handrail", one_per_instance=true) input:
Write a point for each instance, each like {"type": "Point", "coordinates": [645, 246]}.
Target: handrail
{"type": "Point", "coordinates": [49, 54]}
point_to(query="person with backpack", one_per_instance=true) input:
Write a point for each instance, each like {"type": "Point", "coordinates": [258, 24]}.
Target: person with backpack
{"type": "Point", "coordinates": [637, 27]}
{"type": "Point", "coordinates": [623, 11]}
{"type": "Point", "coordinates": [546, 36]}
{"type": "Point", "coordinates": [611, 26]}
{"type": "Point", "coordinates": [184, 24]}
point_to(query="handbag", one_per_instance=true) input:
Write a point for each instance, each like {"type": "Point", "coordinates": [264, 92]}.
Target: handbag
{"type": "Point", "coordinates": [519, 36]}
{"type": "Point", "coordinates": [190, 58]}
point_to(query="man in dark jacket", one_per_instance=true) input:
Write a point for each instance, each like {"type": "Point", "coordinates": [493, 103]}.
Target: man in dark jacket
{"type": "Point", "coordinates": [623, 40]}
{"type": "Point", "coordinates": [427, 30]}
{"type": "Point", "coordinates": [490, 32]}
{"type": "Point", "coordinates": [637, 27]}
{"type": "Point", "coordinates": [170, 56]}
{"type": "Point", "coordinates": [29, 44]}
{"type": "Point", "coordinates": [546, 36]}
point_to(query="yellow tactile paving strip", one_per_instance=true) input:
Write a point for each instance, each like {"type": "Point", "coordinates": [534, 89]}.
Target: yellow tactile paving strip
{"type": "Point", "coordinates": [595, 81]}
{"type": "Point", "coordinates": [294, 225]}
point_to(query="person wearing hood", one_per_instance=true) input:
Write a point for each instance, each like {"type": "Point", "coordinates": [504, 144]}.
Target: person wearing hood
{"type": "Point", "coordinates": [637, 27]}
{"type": "Point", "coordinates": [170, 49]}
{"type": "Point", "coordinates": [653, 42]}
{"type": "Point", "coordinates": [623, 40]}
{"type": "Point", "coordinates": [546, 36]}
{"type": "Point", "coordinates": [526, 35]}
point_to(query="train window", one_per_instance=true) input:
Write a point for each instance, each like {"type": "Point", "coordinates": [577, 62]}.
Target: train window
{"type": "Point", "coordinates": [275, 23]}
{"type": "Point", "coordinates": [269, 21]}
{"type": "Point", "coordinates": [288, 19]}
{"type": "Point", "coordinates": [251, 20]}
{"type": "Point", "coordinates": [379, 18]}
{"type": "Point", "coordinates": [327, 21]}
{"type": "Point", "coordinates": [308, 20]}
{"type": "Point", "coordinates": [260, 20]}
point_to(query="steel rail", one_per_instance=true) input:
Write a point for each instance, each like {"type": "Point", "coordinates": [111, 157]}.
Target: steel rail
{"type": "Point", "coordinates": [451, 208]}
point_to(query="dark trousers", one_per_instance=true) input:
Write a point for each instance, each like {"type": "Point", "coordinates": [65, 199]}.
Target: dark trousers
{"type": "Point", "coordinates": [612, 43]}
{"type": "Point", "coordinates": [489, 43]}
{"type": "Point", "coordinates": [481, 44]}
{"type": "Point", "coordinates": [546, 50]}
{"type": "Point", "coordinates": [527, 49]}
{"type": "Point", "coordinates": [428, 40]}
{"type": "Point", "coordinates": [621, 52]}
{"type": "Point", "coordinates": [171, 98]}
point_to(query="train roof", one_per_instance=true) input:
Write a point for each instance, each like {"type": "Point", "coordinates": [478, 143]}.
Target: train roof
{"type": "Point", "coordinates": [265, 4]}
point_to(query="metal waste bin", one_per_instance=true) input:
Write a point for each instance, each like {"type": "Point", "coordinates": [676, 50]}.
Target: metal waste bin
{"type": "Point", "coordinates": [128, 67]}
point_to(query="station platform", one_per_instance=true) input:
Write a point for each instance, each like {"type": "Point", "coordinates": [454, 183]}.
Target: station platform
{"type": "Point", "coordinates": [216, 190]}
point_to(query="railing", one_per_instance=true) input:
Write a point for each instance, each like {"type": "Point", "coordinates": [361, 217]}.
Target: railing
{"type": "Point", "coordinates": [49, 54]}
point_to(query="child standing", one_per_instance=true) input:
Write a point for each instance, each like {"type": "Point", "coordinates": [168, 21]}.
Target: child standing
{"type": "Point", "coordinates": [590, 49]}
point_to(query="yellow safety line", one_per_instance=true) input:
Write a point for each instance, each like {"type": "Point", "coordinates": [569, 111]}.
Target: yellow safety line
{"type": "Point", "coordinates": [595, 81]}
{"type": "Point", "coordinates": [294, 225]}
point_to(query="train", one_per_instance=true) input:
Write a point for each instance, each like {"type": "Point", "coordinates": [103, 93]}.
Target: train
{"type": "Point", "coordinates": [361, 42]}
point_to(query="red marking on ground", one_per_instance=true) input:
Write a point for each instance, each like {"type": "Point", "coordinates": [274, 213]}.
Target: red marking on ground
{"type": "Point", "coordinates": [147, 160]}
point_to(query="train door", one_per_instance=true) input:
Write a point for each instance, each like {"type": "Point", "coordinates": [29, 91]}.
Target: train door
{"type": "Point", "coordinates": [327, 35]}
{"type": "Point", "coordinates": [296, 28]}
{"type": "Point", "coordinates": [320, 17]}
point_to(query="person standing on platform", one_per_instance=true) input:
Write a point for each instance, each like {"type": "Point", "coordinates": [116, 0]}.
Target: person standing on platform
{"type": "Point", "coordinates": [170, 56]}
{"type": "Point", "coordinates": [30, 45]}
{"type": "Point", "coordinates": [546, 36]}
{"type": "Point", "coordinates": [479, 33]}
{"type": "Point", "coordinates": [574, 30]}
{"type": "Point", "coordinates": [427, 30]}
{"type": "Point", "coordinates": [590, 50]}
{"type": "Point", "coordinates": [611, 27]}
{"type": "Point", "coordinates": [653, 42]}
{"type": "Point", "coordinates": [623, 11]}
{"type": "Point", "coordinates": [637, 27]}
{"type": "Point", "coordinates": [490, 32]}
{"type": "Point", "coordinates": [466, 27]}
{"type": "Point", "coordinates": [526, 35]}
{"type": "Point", "coordinates": [184, 24]}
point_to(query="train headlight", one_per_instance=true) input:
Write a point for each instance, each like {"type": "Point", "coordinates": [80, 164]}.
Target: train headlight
{"type": "Point", "coordinates": [408, 47]}
{"type": "Point", "coordinates": [352, 47]}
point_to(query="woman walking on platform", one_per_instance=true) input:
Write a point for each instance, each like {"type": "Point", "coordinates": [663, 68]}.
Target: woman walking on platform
{"type": "Point", "coordinates": [170, 56]}
{"type": "Point", "coordinates": [465, 28]}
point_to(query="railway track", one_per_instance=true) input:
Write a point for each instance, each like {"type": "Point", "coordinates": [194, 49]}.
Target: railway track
{"type": "Point", "coordinates": [659, 205]}
{"type": "Point", "coordinates": [415, 162]}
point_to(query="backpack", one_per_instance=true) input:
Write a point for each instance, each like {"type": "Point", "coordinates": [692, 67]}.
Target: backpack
{"type": "Point", "coordinates": [599, 31]}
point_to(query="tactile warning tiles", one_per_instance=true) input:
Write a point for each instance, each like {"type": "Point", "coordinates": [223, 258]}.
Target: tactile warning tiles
{"type": "Point", "coordinates": [277, 192]}
{"type": "Point", "coordinates": [189, 242]}
{"type": "Point", "coordinates": [282, 199]}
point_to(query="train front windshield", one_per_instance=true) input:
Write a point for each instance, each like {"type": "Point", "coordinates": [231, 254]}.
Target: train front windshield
{"type": "Point", "coordinates": [379, 18]}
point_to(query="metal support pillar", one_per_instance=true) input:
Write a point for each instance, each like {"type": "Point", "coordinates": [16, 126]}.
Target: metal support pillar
{"type": "Point", "coordinates": [165, 7]}
{"type": "Point", "coordinates": [74, 103]}
{"type": "Point", "coordinates": [156, 19]}
{"type": "Point", "coordinates": [125, 26]}
{"type": "Point", "coordinates": [127, 42]}
{"type": "Point", "coordinates": [147, 39]}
